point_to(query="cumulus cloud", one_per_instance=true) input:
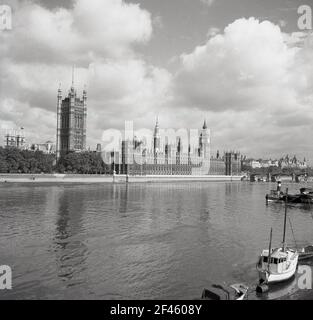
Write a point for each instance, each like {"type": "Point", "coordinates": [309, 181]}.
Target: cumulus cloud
{"type": "Point", "coordinates": [16, 114]}
{"type": "Point", "coordinates": [39, 52]}
{"type": "Point", "coordinates": [251, 81]}
{"type": "Point", "coordinates": [242, 68]}
{"type": "Point", "coordinates": [252, 73]}
{"type": "Point", "coordinates": [105, 28]}
{"type": "Point", "coordinates": [208, 2]}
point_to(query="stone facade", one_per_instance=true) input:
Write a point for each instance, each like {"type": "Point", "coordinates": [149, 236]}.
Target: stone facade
{"type": "Point", "coordinates": [133, 159]}
{"type": "Point", "coordinates": [71, 122]}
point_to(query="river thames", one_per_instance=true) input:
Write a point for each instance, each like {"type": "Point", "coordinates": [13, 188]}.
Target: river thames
{"type": "Point", "coordinates": [138, 241]}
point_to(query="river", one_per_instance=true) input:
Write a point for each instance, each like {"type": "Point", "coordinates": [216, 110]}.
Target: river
{"type": "Point", "coordinates": [138, 241]}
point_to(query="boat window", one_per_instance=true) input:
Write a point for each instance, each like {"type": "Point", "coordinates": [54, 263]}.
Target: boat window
{"type": "Point", "coordinates": [265, 259]}
{"type": "Point", "coordinates": [273, 260]}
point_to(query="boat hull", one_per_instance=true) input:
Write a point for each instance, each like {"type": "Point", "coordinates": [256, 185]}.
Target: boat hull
{"type": "Point", "coordinates": [274, 278]}
{"type": "Point", "coordinates": [270, 277]}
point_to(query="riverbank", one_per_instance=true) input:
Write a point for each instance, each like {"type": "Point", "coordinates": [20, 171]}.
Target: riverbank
{"type": "Point", "coordinates": [77, 178]}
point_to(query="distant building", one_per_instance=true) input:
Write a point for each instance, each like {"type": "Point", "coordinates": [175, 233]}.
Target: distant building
{"type": "Point", "coordinates": [285, 162]}
{"type": "Point", "coordinates": [134, 159]}
{"type": "Point", "coordinates": [48, 147]}
{"type": "Point", "coordinates": [292, 162]}
{"type": "Point", "coordinates": [98, 149]}
{"type": "Point", "coordinates": [15, 138]}
{"type": "Point", "coordinates": [255, 164]}
{"type": "Point", "coordinates": [71, 122]}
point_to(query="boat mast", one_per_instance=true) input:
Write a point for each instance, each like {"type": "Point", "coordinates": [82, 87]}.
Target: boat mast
{"type": "Point", "coordinates": [285, 222]}
{"type": "Point", "coordinates": [269, 251]}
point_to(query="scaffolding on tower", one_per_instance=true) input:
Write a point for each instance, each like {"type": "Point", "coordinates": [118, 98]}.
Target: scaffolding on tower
{"type": "Point", "coordinates": [15, 138]}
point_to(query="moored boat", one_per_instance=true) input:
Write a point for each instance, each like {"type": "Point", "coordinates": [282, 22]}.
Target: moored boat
{"type": "Point", "coordinates": [304, 197]}
{"type": "Point", "coordinates": [236, 291]}
{"type": "Point", "coordinates": [279, 264]}
{"type": "Point", "coordinates": [275, 195]}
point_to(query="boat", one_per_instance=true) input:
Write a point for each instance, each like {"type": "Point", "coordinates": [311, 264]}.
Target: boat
{"type": "Point", "coordinates": [282, 266]}
{"type": "Point", "coordinates": [278, 264]}
{"type": "Point", "coordinates": [292, 198]}
{"type": "Point", "coordinates": [304, 197]}
{"type": "Point", "coordinates": [308, 191]}
{"type": "Point", "coordinates": [236, 291]}
{"type": "Point", "coordinates": [275, 195]}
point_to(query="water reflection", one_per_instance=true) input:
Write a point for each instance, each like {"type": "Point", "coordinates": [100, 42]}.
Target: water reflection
{"type": "Point", "coordinates": [68, 245]}
{"type": "Point", "coordinates": [123, 195]}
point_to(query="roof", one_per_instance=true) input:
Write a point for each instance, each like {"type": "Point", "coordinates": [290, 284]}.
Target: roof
{"type": "Point", "coordinates": [276, 253]}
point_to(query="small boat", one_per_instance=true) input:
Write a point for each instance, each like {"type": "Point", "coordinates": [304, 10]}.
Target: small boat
{"type": "Point", "coordinates": [236, 291]}
{"type": "Point", "coordinates": [279, 264]}
{"type": "Point", "coordinates": [308, 191]}
{"type": "Point", "coordinates": [274, 196]}
{"type": "Point", "coordinates": [292, 198]}
{"type": "Point", "coordinates": [306, 253]}
{"type": "Point", "coordinates": [304, 197]}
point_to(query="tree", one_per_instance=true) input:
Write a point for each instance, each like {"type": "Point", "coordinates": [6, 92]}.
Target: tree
{"type": "Point", "coordinates": [83, 163]}
{"type": "Point", "coordinates": [13, 160]}
{"type": "Point", "coordinates": [3, 166]}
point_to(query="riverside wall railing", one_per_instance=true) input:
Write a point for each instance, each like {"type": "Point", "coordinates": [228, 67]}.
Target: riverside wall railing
{"type": "Point", "coordinates": [77, 178]}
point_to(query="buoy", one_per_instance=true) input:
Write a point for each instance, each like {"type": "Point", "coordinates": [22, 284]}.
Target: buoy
{"type": "Point", "coordinates": [262, 288]}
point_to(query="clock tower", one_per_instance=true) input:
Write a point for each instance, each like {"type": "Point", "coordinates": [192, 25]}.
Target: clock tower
{"type": "Point", "coordinates": [204, 142]}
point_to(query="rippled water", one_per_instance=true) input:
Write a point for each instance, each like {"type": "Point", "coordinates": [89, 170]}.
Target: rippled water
{"type": "Point", "coordinates": [137, 241]}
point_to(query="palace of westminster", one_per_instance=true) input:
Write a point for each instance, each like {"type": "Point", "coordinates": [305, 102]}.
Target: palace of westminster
{"type": "Point", "coordinates": [132, 157]}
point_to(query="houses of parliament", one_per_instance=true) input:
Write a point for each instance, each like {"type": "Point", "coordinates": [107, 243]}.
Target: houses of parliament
{"type": "Point", "coordinates": [132, 157]}
{"type": "Point", "coordinates": [71, 122]}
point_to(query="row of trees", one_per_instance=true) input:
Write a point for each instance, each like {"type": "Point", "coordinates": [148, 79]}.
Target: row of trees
{"type": "Point", "coordinates": [13, 160]}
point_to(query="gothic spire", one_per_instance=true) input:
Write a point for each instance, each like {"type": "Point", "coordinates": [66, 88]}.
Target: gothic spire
{"type": "Point", "coordinates": [156, 129]}
{"type": "Point", "coordinates": [73, 71]}
{"type": "Point", "coordinates": [205, 125]}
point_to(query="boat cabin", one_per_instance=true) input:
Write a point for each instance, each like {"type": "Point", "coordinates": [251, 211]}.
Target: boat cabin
{"type": "Point", "coordinates": [277, 263]}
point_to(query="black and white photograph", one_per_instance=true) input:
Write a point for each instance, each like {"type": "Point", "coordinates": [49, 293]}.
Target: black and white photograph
{"type": "Point", "coordinates": [156, 150]}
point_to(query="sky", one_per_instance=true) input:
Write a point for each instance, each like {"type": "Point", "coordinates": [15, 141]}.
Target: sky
{"type": "Point", "coordinates": [243, 65]}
